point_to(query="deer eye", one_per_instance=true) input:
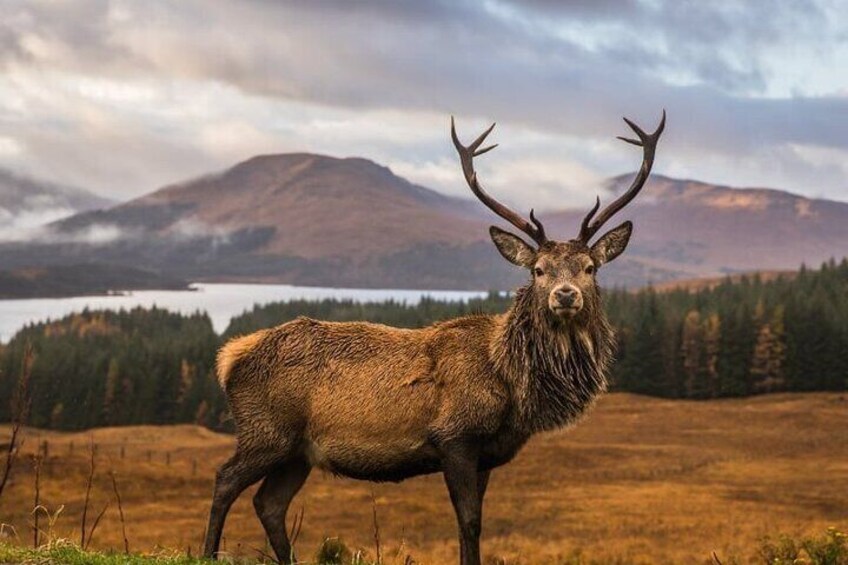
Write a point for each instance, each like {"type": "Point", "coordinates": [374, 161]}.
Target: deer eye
{"type": "Point", "coordinates": [538, 271]}
{"type": "Point", "coordinates": [590, 269]}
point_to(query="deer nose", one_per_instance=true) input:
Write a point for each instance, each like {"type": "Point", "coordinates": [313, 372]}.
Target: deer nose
{"type": "Point", "coordinates": [566, 296]}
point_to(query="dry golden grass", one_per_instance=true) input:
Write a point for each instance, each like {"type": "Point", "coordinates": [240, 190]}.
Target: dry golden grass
{"type": "Point", "coordinates": [643, 480]}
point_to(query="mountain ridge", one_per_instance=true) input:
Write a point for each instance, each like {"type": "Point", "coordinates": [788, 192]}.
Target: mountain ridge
{"type": "Point", "coordinates": [310, 219]}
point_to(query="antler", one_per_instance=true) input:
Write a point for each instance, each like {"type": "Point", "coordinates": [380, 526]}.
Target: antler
{"type": "Point", "coordinates": [648, 143]}
{"type": "Point", "coordinates": [466, 157]}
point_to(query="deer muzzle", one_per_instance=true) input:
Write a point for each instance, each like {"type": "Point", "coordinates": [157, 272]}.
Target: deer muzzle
{"type": "Point", "coordinates": [566, 300]}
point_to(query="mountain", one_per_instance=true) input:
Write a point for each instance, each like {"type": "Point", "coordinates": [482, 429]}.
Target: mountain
{"type": "Point", "coordinates": [704, 230]}
{"type": "Point", "coordinates": [316, 220]}
{"type": "Point", "coordinates": [311, 206]}
{"type": "Point", "coordinates": [298, 218]}
{"type": "Point", "coordinates": [26, 203]}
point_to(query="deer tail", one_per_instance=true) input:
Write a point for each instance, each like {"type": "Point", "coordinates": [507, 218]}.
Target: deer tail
{"type": "Point", "coordinates": [232, 352]}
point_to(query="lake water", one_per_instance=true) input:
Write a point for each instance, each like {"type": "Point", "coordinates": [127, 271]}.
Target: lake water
{"type": "Point", "coordinates": [220, 301]}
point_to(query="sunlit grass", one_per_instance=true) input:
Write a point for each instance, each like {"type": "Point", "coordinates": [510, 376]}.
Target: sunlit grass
{"type": "Point", "coordinates": [639, 481]}
{"type": "Point", "coordinates": [70, 554]}
{"type": "Point", "coordinates": [64, 552]}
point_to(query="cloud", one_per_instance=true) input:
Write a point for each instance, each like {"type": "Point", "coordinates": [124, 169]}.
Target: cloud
{"type": "Point", "coordinates": [35, 225]}
{"type": "Point", "coordinates": [32, 225]}
{"type": "Point", "coordinates": [125, 96]}
{"type": "Point", "coordinates": [21, 225]}
{"type": "Point", "coordinates": [187, 229]}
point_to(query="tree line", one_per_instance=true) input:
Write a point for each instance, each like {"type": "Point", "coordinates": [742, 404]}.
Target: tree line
{"type": "Point", "coordinates": [737, 338]}
{"type": "Point", "coordinates": [106, 368]}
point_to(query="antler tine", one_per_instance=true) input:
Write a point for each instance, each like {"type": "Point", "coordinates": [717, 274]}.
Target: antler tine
{"type": "Point", "coordinates": [540, 229]}
{"type": "Point", "coordinates": [648, 143]}
{"type": "Point", "coordinates": [466, 157]}
{"type": "Point", "coordinates": [584, 226]}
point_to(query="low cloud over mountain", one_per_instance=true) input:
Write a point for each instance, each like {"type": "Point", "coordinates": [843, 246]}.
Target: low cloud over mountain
{"type": "Point", "coordinates": [27, 204]}
{"type": "Point", "coordinates": [309, 219]}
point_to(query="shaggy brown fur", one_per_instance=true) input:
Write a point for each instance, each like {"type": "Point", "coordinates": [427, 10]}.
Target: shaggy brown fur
{"type": "Point", "coordinates": [379, 403]}
{"type": "Point", "coordinates": [383, 404]}
{"type": "Point", "coordinates": [374, 402]}
{"type": "Point", "coordinates": [231, 352]}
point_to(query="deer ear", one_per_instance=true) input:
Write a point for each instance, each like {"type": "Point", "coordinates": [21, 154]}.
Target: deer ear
{"type": "Point", "coordinates": [513, 248]}
{"type": "Point", "coordinates": [611, 244]}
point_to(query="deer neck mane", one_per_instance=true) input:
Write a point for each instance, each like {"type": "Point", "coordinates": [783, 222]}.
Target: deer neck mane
{"type": "Point", "coordinates": [556, 368]}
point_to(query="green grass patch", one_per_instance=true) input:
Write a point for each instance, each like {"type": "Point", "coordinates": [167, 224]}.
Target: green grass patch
{"type": "Point", "coordinates": [828, 549]}
{"type": "Point", "coordinates": [70, 554]}
{"type": "Point", "coordinates": [61, 552]}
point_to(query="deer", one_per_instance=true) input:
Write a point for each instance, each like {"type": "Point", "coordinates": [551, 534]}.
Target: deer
{"type": "Point", "coordinates": [460, 397]}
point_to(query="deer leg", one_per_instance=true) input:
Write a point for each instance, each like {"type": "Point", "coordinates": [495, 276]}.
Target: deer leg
{"type": "Point", "coordinates": [241, 471]}
{"type": "Point", "coordinates": [466, 488]}
{"type": "Point", "coordinates": [272, 502]}
{"type": "Point", "coordinates": [482, 483]}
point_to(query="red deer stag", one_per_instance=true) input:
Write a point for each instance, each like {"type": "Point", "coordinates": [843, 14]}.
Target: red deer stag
{"type": "Point", "coordinates": [460, 397]}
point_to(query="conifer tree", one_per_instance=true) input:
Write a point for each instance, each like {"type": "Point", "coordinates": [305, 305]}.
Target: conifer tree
{"type": "Point", "coordinates": [692, 354]}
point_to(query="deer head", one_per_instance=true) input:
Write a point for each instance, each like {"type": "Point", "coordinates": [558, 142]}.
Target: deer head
{"type": "Point", "coordinates": [563, 272]}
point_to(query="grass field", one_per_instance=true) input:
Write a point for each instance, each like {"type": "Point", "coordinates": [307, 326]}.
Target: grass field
{"type": "Point", "coordinates": [639, 481]}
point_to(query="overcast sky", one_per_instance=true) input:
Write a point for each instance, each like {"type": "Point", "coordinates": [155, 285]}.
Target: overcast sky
{"type": "Point", "coordinates": [124, 97]}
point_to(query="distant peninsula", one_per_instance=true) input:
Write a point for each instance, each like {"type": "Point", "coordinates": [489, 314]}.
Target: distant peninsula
{"type": "Point", "coordinates": [84, 279]}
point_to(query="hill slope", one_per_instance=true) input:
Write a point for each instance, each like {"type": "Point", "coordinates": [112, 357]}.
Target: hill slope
{"type": "Point", "coordinates": [298, 218]}
{"type": "Point", "coordinates": [707, 230]}
{"type": "Point", "coordinates": [316, 220]}
{"type": "Point", "coordinates": [317, 207]}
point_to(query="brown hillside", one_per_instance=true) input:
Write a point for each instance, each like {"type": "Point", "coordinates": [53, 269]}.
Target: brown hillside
{"type": "Point", "coordinates": [316, 220]}
{"type": "Point", "coordinates": [319, 207]}
{"type": "Point", "coordinates": [705, 230]}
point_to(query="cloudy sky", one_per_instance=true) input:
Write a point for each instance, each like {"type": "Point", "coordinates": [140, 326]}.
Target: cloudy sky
{"type": "Point", "coordinates": [123, 97]}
